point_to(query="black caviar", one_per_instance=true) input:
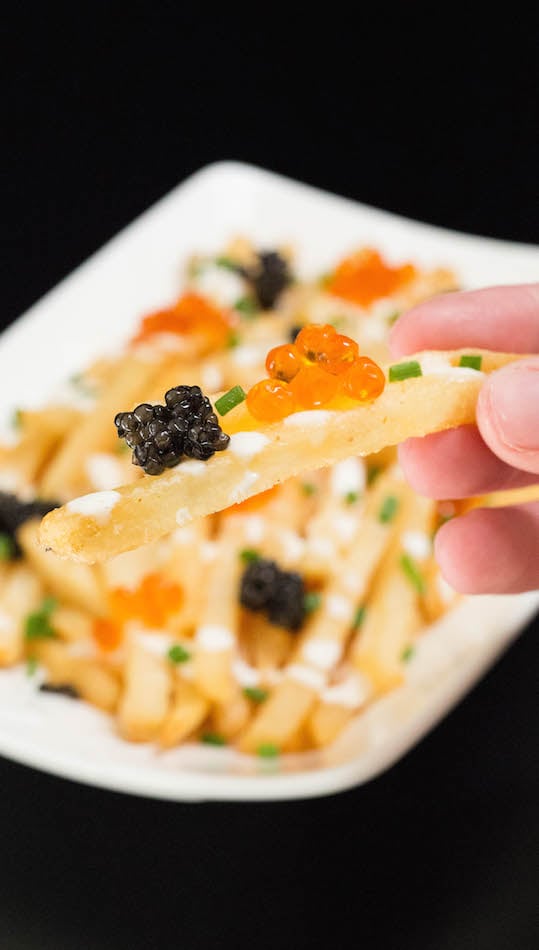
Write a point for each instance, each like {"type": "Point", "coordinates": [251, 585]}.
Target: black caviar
{"type": "Point", "coordinates": [279, 594]}
{"type": "Point", "coordinates": [14, 512]}
{"type": "Point", "coordinates": [161, 435]}
{"type": "Point", "coordinates": [61, 689]}
{"type": "Point", "coordinates": [268, 277]}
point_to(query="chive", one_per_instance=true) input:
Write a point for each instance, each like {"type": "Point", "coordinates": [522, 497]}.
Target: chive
{"type": "Point", "coordinates": [31, 665]}
{"type": "Point", "coordinates": [37, 624]}
{"type": "Point", "coordinates": [373, 472]}
{"type": "Point", "coordinates": [16, 419]}
{"type": "Point", "coordinates": [351, 497]}
{"type": "Point", "coordinates": [393, 317]}
{"type": "Point", "coordinates": [388, 509]}
{"type": "Point", "coordinates": [413, 573]}
{"type": "Point", "coordinates": [247, 306]}
{"type": "Point", "coordinates": [212, 738]}
{"type": "Point", "coordinates": [178, 654]}
{"type": "Point", "coordinates": [268, 750]}
{"type": "Point", "coordinates": [230, 399]}
{"type": "Point", "coordinates": [7, 547]}
{"type": "Point", "coordinates": [400, 371]}
{"type": "Point", "coordinates": [233, 340]}
{"type": "Point", "coordinates": [311, 601]}
{"type": "Point", "coordinates": [472, 362]}
{"type": "Point", "coordinates": [308, 488]}
{"type": "Point", "coordinates": [256, 693]}
{"type": "Point", "coordinates": [226, 262]}
{"type": "Point", "coordinates": [359, 617]}
{"type": "Point", "coordinates": [407, 653]}
{"type": "Point", "coordinates": [248, 555]}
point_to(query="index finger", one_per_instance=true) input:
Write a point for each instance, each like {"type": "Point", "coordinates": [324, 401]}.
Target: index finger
{"type": "Point", "coordinates": [496, 318]}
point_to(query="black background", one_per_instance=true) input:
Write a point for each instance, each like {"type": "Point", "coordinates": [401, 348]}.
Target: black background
{"type": "Point", "coordinates": [105, 111]}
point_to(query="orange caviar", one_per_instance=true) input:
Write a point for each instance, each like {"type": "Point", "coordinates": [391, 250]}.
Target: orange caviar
{"type": "Point", "coordinates": [308, 374]}
{"type": "Point", "coordinates": [152, 602]}
{"type": "Point", "coordinates": [107, 634]}
{"type": "Point", "coordinates": [270, 400]}
{"type": "Point", "coordinates": [191, 315]}
{"type": "Point", "coordinates": [365, 277]}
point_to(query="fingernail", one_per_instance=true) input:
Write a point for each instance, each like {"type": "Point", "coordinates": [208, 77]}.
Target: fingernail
{"type": "Point", "coordinates": [514, 405]}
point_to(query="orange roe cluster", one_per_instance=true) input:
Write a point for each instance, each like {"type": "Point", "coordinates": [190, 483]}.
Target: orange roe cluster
{"type": "Point", "coordinates": [152, 602]}
{"type": "Point", "coordinates": [320, 366]}
{"type": "Point", "coordinates": [191, 315]}
{"type": "Point", "coordinates": [365, 277]}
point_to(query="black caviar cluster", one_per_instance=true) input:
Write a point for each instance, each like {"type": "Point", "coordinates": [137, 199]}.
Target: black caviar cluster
{"type": "Point", "coordinates": [279, 594]}
{"type": "Point", "coordinates": [267, 278]}
{"type": "Point", "coordinates": [14, 512]}
{"type": "Point", "coordinates": [161, 435]}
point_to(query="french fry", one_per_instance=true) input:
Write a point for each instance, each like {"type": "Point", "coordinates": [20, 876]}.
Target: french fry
{"type": "Point", "coordinates": [41, 432]}
{"type": "Point", "coordinates": [20, 592]}
{"type": "Point", "coordinates": [145, 700]}
{"type": "Point", "coordinates": [104, 524]}
{"type": "Point", "coordinates": [228, 719]}
{"type": "Point", "coordinates": [187, 712]}
{"type": "Point", "coordinates": [92, 679]}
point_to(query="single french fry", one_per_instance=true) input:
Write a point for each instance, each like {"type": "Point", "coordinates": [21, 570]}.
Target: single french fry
{"type": "Point", "coordinates": [145, 701]}
{"type": "Point", "coordinates": [73, 625]}
{"type": "Point", "coordinates": [104, 524]}
{"type": "Point", "coordinates": [92, 679]}
{"type": "Point", "coordinates": [20, 593]}
{"type": "Point", "coordinates": [228, 719]}
{"type": "Point", "coordinates": [327, 721]}
{"type": "Point", "coordinates": [267, 645]}
{"type": "Point", "coordinates": [41, 431]}
{"type": "Point", "coordinates": [187, 712]}
{"type": "Point", "coordinates": [78, 585]}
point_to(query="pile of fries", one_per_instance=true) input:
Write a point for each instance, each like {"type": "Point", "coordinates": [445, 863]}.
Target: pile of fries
{"type": "Point", "coordinates": [157, 636]}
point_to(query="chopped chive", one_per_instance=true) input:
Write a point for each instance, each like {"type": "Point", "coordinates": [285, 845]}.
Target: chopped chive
{"type": "Point", "coordinates": [178, 654]}
{"type": "Point", "coordinates": [308, 488]}
{"type": "Point", "coordinates": [7, 547]}
{"type": "Point", "coordinates": [268, 750]}
{"type": "Point", "coordinates": [233, 340]}
{"type": "Point", "coordinates": [31, 665]}
{"type": "Point", "coordinates": [413, 573]}
{"type": "Point", "coordinates": [16, 419]}
{"type": "Point", "coordinates": [37, 624]}
{"type": "Point", "coordinates": [311, 601]}
{"type": "Point", "coordinates": [407, 653]}
{"type": "Point", "coordinates": [393, 317]}
{"type": "Point", "coordinates": [247, 306]}
{"type": "Point", "coordinates": [248, 555]}
{"type": "Point", "coordinates": [256, 693]}
{"type": "Point", "coordinates": [471, 361]}
{"type": "Point", "coordinates": [400, 371]}
{"type": "Point", "coordinates": [230, 399]}
{"type": "Point", "coordinates": [388, 509]}
{"type": "Point", "coordinates": [226, 262]}
{"type": "Point", "coordinates": [351, 497]}
{"type": "Point", "coordinates": [373, 472]}
{"type": "Point", "coordinates": [212, 738]}
{"type": "Point", "coordinates": [359, 617]}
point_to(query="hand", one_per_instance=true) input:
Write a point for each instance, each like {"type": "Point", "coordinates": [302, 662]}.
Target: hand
{"type": "Point", "coordinates": [486, 550]}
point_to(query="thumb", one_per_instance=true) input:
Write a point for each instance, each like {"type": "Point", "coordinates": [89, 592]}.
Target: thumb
{"type": "Point", "coordinates": [508, 414]}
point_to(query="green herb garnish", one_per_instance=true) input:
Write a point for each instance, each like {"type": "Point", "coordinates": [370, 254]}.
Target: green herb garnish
{"type": "Point", "coordinates": [413, 573]}
{"type": "Point", "coordinates": [351, 497]}
{"type": "Point", "coordinates": [233, 340]}
{"type": "Point", "coordinates": [248, 555]}
{"type": "Point", "coordinates": [400, 371]}
{"type": "Point", "coordinates": [230, 400]}
{"type": "Point", "coordinates": [178, 654]}
{"type": "Point", "coordinates": [31, 665]}
{"type": "Point", "coordinates": [37, 624]}
{"type": "Point", "coordinates": [268, 750]}
{"type": "Point", "coordinates": [393, 317]}
{"type": "Point", "coordinates": [247, 306]}
{"type": "Point", "coordinates": [388, 509]}
{"type": "Point", "coordinates": [226, 262]}
{"type": "Point", "coordinates": [7, 547]}
{"type": "Point", "coordinates": [256, 693]}
{"type": "Point", "coordinates": [359, 617]}
{"type": "Point", "coordinates": [311, 601]}
{"type": "Point", "coordinates": [471, 361]}
{"type": "Point", "coordinates": [407, 653]}
{"type": "Point", "coordinates": [373, 472]}
{"type": "Point", "coordinates": [308, 488]}
{"type": "Point", "coordinates": [16, 419]}
{"type": "Point", "coordinates": [212, 738]}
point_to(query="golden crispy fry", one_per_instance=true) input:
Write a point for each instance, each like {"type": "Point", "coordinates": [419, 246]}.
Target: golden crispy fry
{"type": "Point", "coordinates": [145, 700]}
{"type": "Point", "coordinates": [102, 525]}
{"type": "Point", "coordinates": [20, 592]}
{"type": "Point", "coordinates": [92, 679]}
{"type": "Point", "coordinates": [187, 712]}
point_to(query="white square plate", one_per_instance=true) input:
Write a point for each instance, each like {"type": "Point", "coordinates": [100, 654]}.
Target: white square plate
{"type": "Point", "coordinates": [92, 311]}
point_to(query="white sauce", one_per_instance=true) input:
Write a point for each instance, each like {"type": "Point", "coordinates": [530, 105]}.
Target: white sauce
{"type": "Point", "coordinates": [213, 638]}
{"type": "Point", "coordinates": [417, 544]}
{"type": "Point", "coordinates": [97, 505]}
{"type": "Point", "coordinates": [254, 529]}
{"type": "Point", "coordinates": [212, 378]}
{"type": "Point", "coordinates": [104, 471]}
{"type": "Point", "coordinates": [435, 364]}
{"type": "Point", "coordinates": [348, 476]}
{"type": "Point", "coordinates": [309, 417]}
{"type": "Point", "coordinates": [183, 515]}
{"type": "Point", "coordinates": [247, 444]}
{"type": "Point", "coordinates": [350, 693]}
{"type": "Point", "coordinates": [322, 652]}
{"type": "Point", "coordinates": [193, 467]}
{"type": "Point", "coordinates": [293, 545]}
{"type": "Point", "coordinates": [245, 674]}
{"type": "Point", "coordinates": [222, 285]}
{"type": "Point", "coordinates": [313, 679]}
{"type": "Point", "coordinates": [345, 525]}
{"type": "Point", "coordinates": [184, 536]}
{"type": "Point", "coordinates": [321, 547]}
{"type": "Point", "coordinates": [208, 551]}
{"type": "Point", "coordinates": [249, 354]}
{"type": "Point", "coordinates": [155, 641]}
{"type": "Point", "coordinates": [243, 488]}
{"type": "Point", "coordinates": [338, 607]}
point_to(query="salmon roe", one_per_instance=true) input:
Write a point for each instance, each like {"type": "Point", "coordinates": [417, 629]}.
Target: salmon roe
{"type": "Point", "coordinates": [152, 602]}
{"type": "Point", "coordinates": [107, 634]}
{"type": "Point", "coordinates": [321, 365]}
{"type": "Point", "coordinates": [365, 277]}
{"type": "Point", "coordinates": [191, 315]}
